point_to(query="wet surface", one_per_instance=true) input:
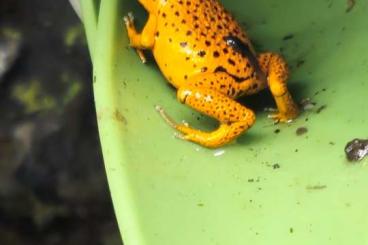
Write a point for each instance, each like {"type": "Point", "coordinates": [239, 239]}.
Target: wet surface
{"type": "Point", "coordinates": [53, 186]}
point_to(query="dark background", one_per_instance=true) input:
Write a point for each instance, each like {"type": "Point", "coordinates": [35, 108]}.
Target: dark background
{"type": "Point", "coordinates": [53, 187]}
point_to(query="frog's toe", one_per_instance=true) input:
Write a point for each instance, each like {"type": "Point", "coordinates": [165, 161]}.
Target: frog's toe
{"type": "Point", "coordinates": [129, 19]}
{"type": "Point", "coordinates": [179, 136]}
{"type": "Point", "coordinates": [281, 117]}
{"type": "Point", "coordinates": [183, 129]}
{"type": "Point", "coordinates": [165, 116]}
{"type": "Point", "coordinates": [131, 16]}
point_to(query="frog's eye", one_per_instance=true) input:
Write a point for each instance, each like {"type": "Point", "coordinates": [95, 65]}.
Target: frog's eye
{"type": "Point", "coordinates": [230, 41]}
{"type": "Point", "coordinates": [238, 45]}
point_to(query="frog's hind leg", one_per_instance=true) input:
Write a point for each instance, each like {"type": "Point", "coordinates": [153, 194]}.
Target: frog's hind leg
{"type": "Point", "coordinates": [143, 40]}
{"type": "Point", "coordinates": [234, 118]}
{"type": "Point", "coordinates": [274, 66]}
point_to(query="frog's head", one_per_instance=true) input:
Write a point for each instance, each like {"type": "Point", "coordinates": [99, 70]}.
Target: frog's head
{"type": "Point", "coordinates": [245, 50]}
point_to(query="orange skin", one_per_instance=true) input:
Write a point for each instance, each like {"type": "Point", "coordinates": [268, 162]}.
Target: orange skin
{"type": "Point", "coordinates": [188, 41]}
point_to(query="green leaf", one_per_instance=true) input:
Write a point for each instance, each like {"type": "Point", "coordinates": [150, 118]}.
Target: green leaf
{"type": "Point", "coordinates": [167, 191]}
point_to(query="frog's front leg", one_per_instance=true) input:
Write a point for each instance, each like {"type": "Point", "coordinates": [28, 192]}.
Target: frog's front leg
{"type": "Point", "coordinates": [143, 40]}
{"type": "Point", "coordinates": [234, 118]}
{"type": "Point", "coordinates": [275, 68]}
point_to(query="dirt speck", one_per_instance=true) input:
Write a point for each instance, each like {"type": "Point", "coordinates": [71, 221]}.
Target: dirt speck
{"type": "Point", "coordinates": [119, 117]}
{"type": "Point", "coordinates": [288, 37]}
{"type": "Point", "coordinates": [350, 5]}
{"type": "Point", "coordinates": [299, 63]}
{"type": "Point", "coordinates": [321, 108]}
{"type": "Point", "coordinates": [252, 180]}
{"type": "Point", "coordinates": [316, 187]}
{"type": "Point", "coordinates": [322, 90]}
{"type": "Point", "coordinates": [276, 166]}
{"type": "Point", "coordinates": [301, 131]}
{"type": "Point", "coordinates": [277, 131]}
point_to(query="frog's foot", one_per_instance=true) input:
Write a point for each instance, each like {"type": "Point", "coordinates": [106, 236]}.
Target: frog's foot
{"type": "Point", "coordinates": [129, 24]}
{"type": "Point", "coordinates": [276, 70]}
{"type": "Point", "coordinates": [143, 40]}
{"type": "Point", "coordinates": [287, 109]}
{"type": "Point", "coordinates": [279, 117]}
{"type": "Point", "coordinates": [171, 122]}
{"type": "Point", "coordinates": [129, 19]}
{"type": "Point", "coordinates": [189, 134]}
{"type": "Point", "coordinates": [234, 118]}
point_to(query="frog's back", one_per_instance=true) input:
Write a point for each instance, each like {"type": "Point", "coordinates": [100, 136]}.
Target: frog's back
{"type": "Point", "coordinates": [190, 40]}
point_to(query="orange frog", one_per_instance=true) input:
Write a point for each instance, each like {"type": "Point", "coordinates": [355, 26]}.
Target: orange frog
{"type": "Point", "coordinates": [203, 52]}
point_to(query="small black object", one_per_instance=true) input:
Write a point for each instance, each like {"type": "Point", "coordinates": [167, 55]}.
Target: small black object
{"type": "Point", "coordinates": [356, 150]}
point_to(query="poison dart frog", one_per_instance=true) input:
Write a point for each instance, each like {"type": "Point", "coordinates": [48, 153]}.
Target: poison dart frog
{"type": "Point", "coordinates": [204, 53]}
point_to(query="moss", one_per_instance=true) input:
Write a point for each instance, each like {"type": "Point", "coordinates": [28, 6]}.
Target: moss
{"type": "Point", "coordinates": [11, 33]}
{"type": "Point", "coordinates": [73, 35]}
{"type": "Point", "coordinates": [74, 86]}
{"type": "Point", "coordinates": [32, 97]}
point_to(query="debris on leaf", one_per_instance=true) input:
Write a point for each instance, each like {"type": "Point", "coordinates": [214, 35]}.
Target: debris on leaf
{"type": "Point", "coordinates": [218, 153]}
{"type": "Point", "coordinates": [351, 4]}
{"type": "Point", "coordinates": [307, 104]}
{"type": "Point", "coordinates": [356, 150]}
{"type": "Point", "coordinates": [321, 108]}
{"type": "Point", "coordinates": [301, 131]}
{"type": "Point", "coordinates": [288, 37]}
{"type": "Point", "coordinates": [316, 187]}
{"type": "Point", "coordinates": [300, 63]}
